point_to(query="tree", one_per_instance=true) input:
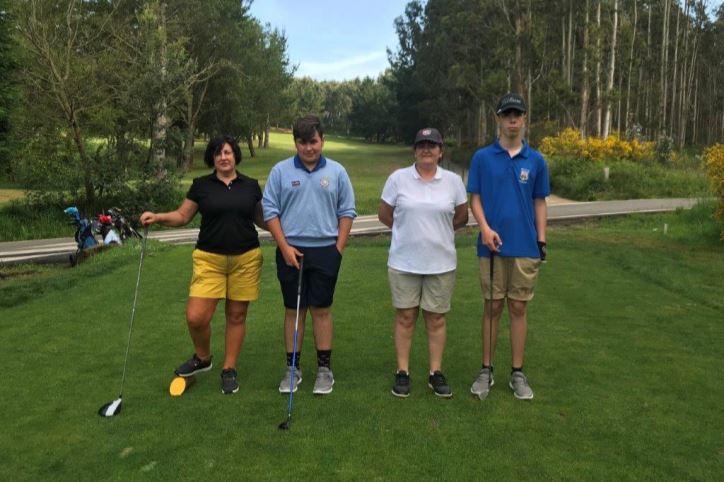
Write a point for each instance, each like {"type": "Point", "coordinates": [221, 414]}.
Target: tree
{"type": "Point", "coordinates": [9, 96]}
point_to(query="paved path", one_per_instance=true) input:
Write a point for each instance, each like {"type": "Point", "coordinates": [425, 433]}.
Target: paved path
{"type": "Point", "coordinates": [559, 210]}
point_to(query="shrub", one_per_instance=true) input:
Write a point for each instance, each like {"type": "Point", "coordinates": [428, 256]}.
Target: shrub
{"type": "Point", "coordinates": [714, 159]}
{"type": "Point", "coordinates": [569, 143]}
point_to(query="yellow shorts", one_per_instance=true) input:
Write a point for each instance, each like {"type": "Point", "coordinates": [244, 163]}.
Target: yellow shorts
{"type": "Point", "coordinates": [513, 278]}
{"type": "Point", "coordinates": [233, 277]}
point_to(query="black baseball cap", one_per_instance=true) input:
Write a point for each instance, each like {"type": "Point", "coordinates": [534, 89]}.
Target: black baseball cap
{"type": "Point", "coordinates": [428, 134]}
{"type": "Point", "coordinates": [510, 101]}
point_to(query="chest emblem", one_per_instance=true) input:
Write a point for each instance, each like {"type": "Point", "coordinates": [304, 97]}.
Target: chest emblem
{"type": "Point", "coordinates": [295, 183]}
{"type": "Point", "coordinates": [324, 182]}
{"type": "Point", "coordinates": [523, 175]}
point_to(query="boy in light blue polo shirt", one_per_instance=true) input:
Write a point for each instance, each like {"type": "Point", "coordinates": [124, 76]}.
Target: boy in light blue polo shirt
{"type": "Point", "coordinates": [309, 207]}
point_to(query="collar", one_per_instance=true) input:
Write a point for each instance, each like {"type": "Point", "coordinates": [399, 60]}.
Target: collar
{"type": "Point", "coordinates": [523, 150]}
{"type": "Point", "coordinates": [213, 177]}
{"type": "Point", "coordinates": [416, 175]}
{"type": "Point", "coordinates": [300, 165]}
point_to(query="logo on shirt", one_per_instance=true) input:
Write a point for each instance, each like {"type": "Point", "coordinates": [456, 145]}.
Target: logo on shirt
{"type": "Point", "coordinates": [523, 175]}
{"type": "Point", "coordinates": [324, 182]}
{"type": "Point", "coordinates": [295, 183]}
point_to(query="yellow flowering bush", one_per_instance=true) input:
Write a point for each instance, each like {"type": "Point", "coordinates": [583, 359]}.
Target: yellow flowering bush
{"type": "Point", "coordinates": [570, 143]}
{"type": "Point", "coordinates": [714, 159]}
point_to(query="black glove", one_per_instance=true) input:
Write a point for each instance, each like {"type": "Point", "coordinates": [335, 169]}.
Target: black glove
{"type": "Point", "coordinates": [542, 250]}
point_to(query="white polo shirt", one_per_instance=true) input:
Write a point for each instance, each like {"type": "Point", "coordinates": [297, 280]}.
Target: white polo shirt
{"type": "Point", "coordinates": [423, 239]}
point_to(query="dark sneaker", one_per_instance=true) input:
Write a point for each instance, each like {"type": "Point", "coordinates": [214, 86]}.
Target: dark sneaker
{"type": "Point", "coordinates": [519, 385]}
{"type": "Point", "coordinates": [323, 383]}
{"type": "Point", "coordinates": [439, 385]}
{"type": "Point", "coordinates": [401, 388]}
{"type": "Point", "coordinates": [481, 385]}
{"type": "Point", "coordinates": [286, 382]}
{"type": "Point", "coordinates": [228, 381]}
{"type": "Point", "coordinates": [193, 366]}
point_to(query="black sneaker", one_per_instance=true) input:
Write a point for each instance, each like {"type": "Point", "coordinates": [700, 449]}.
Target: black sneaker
{"type": "Point", "coordinates": [401, 388]}
{"type": "Point", "coordinates": [228, 381]}
{"type": "Point", "coordinates": [439, 385]}
{"type": "Point", "coordinates": [193, 366]}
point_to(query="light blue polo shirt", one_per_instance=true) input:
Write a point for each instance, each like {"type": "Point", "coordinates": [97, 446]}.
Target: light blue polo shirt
{"type": "Point", "coordinates": [508, 187]}
{"type": "Point", "coordinates": [309, 203]}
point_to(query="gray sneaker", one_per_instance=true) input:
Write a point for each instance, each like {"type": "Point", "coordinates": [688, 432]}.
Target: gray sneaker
{"type": "Point", "coordinates": [481, 385]}
{"type": "Point", "coordinates": [324, 382]}
{"type": "Point", "coordinates": [519, 385]}
{"type": "Point", "coordinates": [287, 380]}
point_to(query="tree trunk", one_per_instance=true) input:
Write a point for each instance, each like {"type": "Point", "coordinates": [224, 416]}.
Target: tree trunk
{"type": "Point", "coordinates": [664, 61]}
{"type": "Point", "coordinates": [599, 59]}
{"type": "Point", "coordinates": [586, 87]}
{"type": "Point", "coordinates": [160, 124]}
{"type": "Point", "coordinates": [611, 71]}
{"type": "Point", "coordinates": [571, 51]}
{"type": "Point", "coordinates": [267, 130]}
{"type": "Point", "coordinates": [673, 81]}
{"type": "Point", "coordinates": [627, 115]}
{"type": "Point", "coordinates": [250, 144]}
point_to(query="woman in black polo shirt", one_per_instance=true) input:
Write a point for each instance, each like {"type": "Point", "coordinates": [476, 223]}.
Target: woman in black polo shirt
{"type": "Point", "coordinates": [227, 260]}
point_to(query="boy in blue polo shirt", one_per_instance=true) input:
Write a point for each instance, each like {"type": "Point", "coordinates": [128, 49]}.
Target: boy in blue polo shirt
{"type": "Point", "coordinates": [309, 207]}
{"type": "Point", "coordinates": [508, 183]}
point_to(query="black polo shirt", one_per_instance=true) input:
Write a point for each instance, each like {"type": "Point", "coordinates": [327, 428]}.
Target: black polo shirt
{"type": "Point", "coordinates": [227, 213]}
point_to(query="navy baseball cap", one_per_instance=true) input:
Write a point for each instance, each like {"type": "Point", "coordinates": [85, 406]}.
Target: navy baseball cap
{"type": "Point", "coordinates": [428, 134]}
{"type": "Point", "coordinates": [510, 101]}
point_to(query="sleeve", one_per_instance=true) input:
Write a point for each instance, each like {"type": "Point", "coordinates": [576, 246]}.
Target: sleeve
{"type": "Point", "coordinates": [257, 191]}
{"type": "Point", "coordinates": [345, 200]}
{"type": "Point", "coordinates": [542, 186]}
{"type": "Point", "coordinates": [272, 190]}
{"type": "Point", "coordinates": [474, 175]}
{"type": "Point", "coordinates": [389, 192]}
{"type": "Point", "coordinates": [461, 197]}
{"type": "Point", "coordinates": [193, 192]}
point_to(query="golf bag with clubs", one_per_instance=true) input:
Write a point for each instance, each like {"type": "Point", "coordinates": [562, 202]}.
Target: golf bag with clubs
{"type": "Point", "coordinates": [124, 229]}
{"type": "Point", "coordinates": [84, 233]}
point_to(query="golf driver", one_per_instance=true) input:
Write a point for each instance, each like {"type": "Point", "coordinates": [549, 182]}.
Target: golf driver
{"type": "Point", "coordinates": [285, 424]}
{"type": "Point", "coordinates": [113, 408]}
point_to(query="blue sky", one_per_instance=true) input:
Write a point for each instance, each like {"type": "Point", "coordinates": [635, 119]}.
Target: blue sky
{"type": "Point", "coordinates": [334, 40]}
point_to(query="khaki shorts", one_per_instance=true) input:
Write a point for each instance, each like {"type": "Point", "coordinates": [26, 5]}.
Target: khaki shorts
{"type": "Point", "coordinates": [232, 277]}
{"type": "Point", "coordinates": [431, 292]}
{"type": "Point", "coordinates": [513, 278]}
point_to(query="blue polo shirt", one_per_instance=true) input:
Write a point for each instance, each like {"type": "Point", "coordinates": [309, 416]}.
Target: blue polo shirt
{"type": "Point", "coordinates": [309, 203]}
{"type": "Point", "coordinates": [508, 187]}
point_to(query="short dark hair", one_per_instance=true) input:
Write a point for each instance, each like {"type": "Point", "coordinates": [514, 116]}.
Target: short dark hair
{"type": "Point", "coordinates": [216, 144]}
{"type": "Point", "coordinates": [305, 127]}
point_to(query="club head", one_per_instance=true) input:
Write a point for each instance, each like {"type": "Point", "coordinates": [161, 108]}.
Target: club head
{"type": "Point", "coordinates": [284, 425]}
{"type": "Point", "coordinates": [483, 396]}
{"type": "Point", "coordinates": [111, 409]}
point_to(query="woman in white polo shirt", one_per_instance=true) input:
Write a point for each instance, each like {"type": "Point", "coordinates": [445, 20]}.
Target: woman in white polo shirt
{"type": "Point", "coordinates": [423, 205]}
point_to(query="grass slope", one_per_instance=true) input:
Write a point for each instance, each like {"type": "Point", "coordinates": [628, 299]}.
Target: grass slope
{"type": "Point", "coordinates": [625, 334]}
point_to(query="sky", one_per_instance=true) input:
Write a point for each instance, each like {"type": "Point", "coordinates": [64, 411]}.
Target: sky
{"type": "Point", "coordinates": [334, 40]}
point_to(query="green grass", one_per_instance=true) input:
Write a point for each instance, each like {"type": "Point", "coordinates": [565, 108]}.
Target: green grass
{"type": "Point", "coordinates": [624, 340]}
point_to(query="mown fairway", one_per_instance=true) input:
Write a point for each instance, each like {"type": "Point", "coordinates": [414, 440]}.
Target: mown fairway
{"type": "Point", "coordinates": [624, 345]}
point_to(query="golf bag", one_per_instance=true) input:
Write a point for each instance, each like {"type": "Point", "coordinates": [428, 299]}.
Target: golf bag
{"type": "Point", "coordinates": [124, 229]}
{"type": "Point", "coordinates": [84, 233]}
{"type": "Point", "coordinates": [107, 230]}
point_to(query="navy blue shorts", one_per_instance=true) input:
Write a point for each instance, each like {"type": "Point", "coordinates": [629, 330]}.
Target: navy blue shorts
{"type": "Point", "coordinates": [321, 267]}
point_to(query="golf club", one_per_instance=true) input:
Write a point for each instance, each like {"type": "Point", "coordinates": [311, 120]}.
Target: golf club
{"type": "Point", "coordinates": [490, 326]}
{"type": "Point", "coordinates": [113, 408]}
{"type": "Point", "coordinates": [285, 424]}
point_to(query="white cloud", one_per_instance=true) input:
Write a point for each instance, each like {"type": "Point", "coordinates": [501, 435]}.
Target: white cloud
{"type": "Point", "coordinates": [369, 64]}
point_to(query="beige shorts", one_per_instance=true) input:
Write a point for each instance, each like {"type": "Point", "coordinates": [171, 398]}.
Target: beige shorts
{"type": "Point", "coordinates": [513, 278]}
{"type": "Point", "coordinates": [232, 277]}
{"type": "Point", "coordinates": [431, 292]}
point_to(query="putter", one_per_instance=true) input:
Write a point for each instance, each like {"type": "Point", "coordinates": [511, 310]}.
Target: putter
{"type": "Point", "coordinates": [285, 424]}
{"type": "Point", "coordinates": [113, 408]}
